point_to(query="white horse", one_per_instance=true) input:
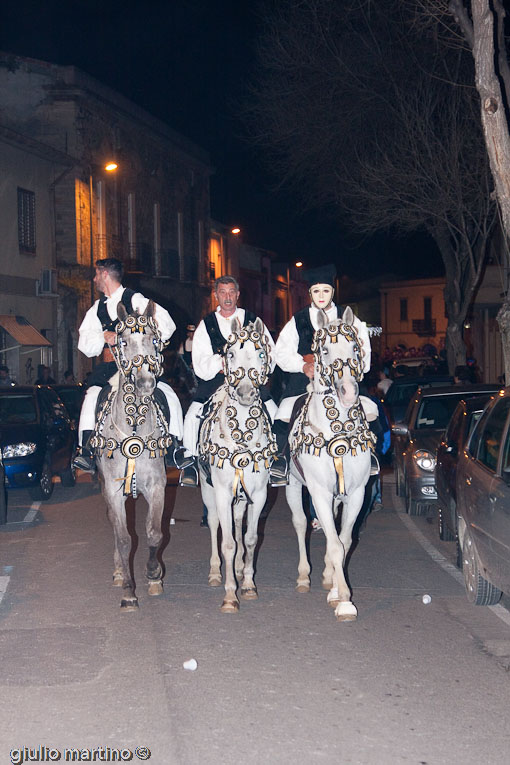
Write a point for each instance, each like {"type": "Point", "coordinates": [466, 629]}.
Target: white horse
{"type": "Point", "coordinates": [330, 446]}
{"type": "Point", "coordinates": [236, 446]}
{"type": "Point", "coordinates": [130, 441]}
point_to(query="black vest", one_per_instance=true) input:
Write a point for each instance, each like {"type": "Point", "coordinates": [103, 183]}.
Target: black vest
{"type": "Point", "coordinates": [107, 323]}
{"type": "Point", "coordinates": [298, 381]}
{"type": "Point", "coordinates": [206, 388]}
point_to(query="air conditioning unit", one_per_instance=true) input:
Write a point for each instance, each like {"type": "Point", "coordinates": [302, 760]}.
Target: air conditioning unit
{"type": "Point", "coordinates": [47, 285]}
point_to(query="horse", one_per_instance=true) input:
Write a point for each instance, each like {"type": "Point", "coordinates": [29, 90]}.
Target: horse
{"type": "Point", "coordinates": [236, 445]}
{"type": "Point", "coordinates": [130, 442]}
{"type": "Point", "coordinates": [330, 451]}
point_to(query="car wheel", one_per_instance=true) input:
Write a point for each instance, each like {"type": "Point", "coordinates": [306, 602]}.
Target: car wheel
{"type": "Point", "coordinates": [44, 489]}
{"type": "Point", "coordinates": [444, 530]}
{"type": "Point", "coordinates": [412, 506]}
{"type": "Point", "coordinates": [479, 591]}
{"type": "Point", "coordinates": [68, 477]}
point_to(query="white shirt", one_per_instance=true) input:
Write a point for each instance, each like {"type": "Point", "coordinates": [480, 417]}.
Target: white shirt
{"type": "Point", "coordinates": [91, 340]}
{"type": "Point", "coordinates": [287, 356]}
{"type": "Point", "coordinates": [206, 363]}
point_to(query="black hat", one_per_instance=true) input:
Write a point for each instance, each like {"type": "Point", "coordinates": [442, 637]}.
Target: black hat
{"type": "Point", "coordinates": [321, 275]}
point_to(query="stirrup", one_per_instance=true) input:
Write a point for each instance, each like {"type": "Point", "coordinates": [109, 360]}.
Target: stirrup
{"type": "Point", "coordinates": [85, 462]}
{"type": "Point", "coordinates": [279, 471]}
{"type": "Point", "coordinates": [189, 476]}
{"type": "Point", "coordinates": [175, 457]}
{"type": "Point", "coordinates": [374, 465]}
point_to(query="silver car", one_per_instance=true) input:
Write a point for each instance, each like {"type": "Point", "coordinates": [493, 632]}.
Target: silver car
{"type": "Point", "coordinates": [483, 504]}
{"type": "Point", "coordinates": [416, 440]}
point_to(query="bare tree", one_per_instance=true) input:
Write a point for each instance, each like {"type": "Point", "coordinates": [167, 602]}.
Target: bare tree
{"type": "Point", "coordinates": [479, 25]}
{"type": "Point", "coordinates": [364, 113]}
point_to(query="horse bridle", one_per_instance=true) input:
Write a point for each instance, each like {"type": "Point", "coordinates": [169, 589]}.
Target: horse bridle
{"type": "Point", "coordinates": [138, 324]}
{"type": "Point", "coordinates": [327, 372]}
{"type": "Point", "coordinates": [244, 335]}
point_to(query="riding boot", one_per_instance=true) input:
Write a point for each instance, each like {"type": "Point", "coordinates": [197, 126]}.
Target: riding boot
{"type": "Point", "coordinates": [189, 475]}
{"type": "Point", "coordinates": [279, 470]}
{"type": "Point", "coordinates": [175, 456]}
{"type": "Point", "coordinates": [85, 459]}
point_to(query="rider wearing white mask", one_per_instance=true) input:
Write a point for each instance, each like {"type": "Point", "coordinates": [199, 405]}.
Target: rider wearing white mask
{"type": "Point", "coordinates": [294, 355]}
{"type": "Point", "coordinates": [209, 342]}
{"type": "Point", "coordinates": [97, 334]}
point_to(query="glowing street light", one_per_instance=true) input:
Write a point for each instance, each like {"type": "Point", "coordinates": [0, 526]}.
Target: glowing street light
{"type": "Point", "coordinates": [236, 231]}
{"type": "Point", "coordinates": [111, 166]}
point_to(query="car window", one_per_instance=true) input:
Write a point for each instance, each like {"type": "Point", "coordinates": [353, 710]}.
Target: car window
{"type": "Point", "coordinates": [454, 429]}
{"type": "Point", "coordinates": [435, 412]}
{"type": "Point", "coordinates": [17, 409]}
{"type": "Point", "coordinates": [400, 394]}
{"type": "Point", "coordinates": [490, 438]}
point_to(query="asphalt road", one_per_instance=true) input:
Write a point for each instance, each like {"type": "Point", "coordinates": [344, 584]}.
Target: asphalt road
{"type": "Point", "coordinates": [280, 682]}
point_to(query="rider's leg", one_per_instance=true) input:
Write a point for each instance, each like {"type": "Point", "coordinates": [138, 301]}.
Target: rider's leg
{"type": "Point", "coordinates": [279, 470]}
{"type": "Point", "coordinates": [372, 415]}
{"type": "Point", "coordinates": [174, 456]}
{"type": "Point", "coordinates": [189, 474]}
{"type": "Point", "coordinates": [85, 459]}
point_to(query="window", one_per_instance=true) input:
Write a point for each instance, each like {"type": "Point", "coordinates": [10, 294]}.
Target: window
{"type": "Point", "coordinates": [427, 309]}
{"type": "Point", "coordinates": [490, 439]}
{"type": "Point", "coordinates": [403, 309]}
{"type": "Point", "coordinates": [26, 220]}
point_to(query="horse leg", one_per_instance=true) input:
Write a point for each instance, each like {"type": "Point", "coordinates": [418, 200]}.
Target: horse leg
{"type": "Point", "coordinates": [248, 587]}
{"type": "Point", "coordinates": [328, 573]}
{"type": "Point", "coordinates": [154, 571]}
{"type": "Point", "coordinates": [239, 510]}
{"type": "Point", "coordinates": [223, 496]}
{"type": "Point", "coordinates": [346, 610]}
{"type": "Point", "coordinates": [122, 546]}
{"type": "Point", "coordinates": [212, 517]}
{"type": "Point", "coordinates": [339, 596]}
{"type": "Point", "coordinates": [293, 494]}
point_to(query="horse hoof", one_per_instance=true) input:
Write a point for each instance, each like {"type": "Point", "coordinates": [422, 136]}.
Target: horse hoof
{"type": "Point", "coordinates": [155, 588]}
{"type": "Point", "coordinates": [249, 594]}
{"type": "Point", "coordinates": [229, 607]}
{"type": "Point", "coordinates": [346, 612]}
{"type": "Point", "coordinates": [118, 579]}
{"type": "Point", "coordinates": [303, 587]}
{"type": "Point", "coordinates": [214, 581]}
{"type": "Point", "coordinates": [128, 605]}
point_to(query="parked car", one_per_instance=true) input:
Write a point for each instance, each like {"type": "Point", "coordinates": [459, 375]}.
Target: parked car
{"type": "Point", "coordinates": [72, 396]}
{"type": "Point", "coordinates": [36, 438]}
{"type": "Point", "coordinates": [401, 392]}
{"type": "Point", "coordinates": [417, 437]}
{"type": "Point", "coordinates": [466, 415]}
{"type": "Point", "coordinates": [483, 504]}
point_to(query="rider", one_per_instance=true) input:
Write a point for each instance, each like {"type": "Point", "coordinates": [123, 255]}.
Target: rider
{"type": "Point", "coordinates": [209, 341]}
{"type": "Point", "coordinates": [97, 333]}
{"type": "Point", "coordinates": [294, 355]}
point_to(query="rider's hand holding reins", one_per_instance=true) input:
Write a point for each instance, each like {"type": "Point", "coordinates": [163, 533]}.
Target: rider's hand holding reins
{"type": "Point", "coordinates": [110, 338]}
{"type": "Point", "coordinates": [308, 365]}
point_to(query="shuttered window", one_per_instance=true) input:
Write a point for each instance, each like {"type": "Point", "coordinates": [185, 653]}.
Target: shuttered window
{"type": "Point", "coordinates": [26, 220]}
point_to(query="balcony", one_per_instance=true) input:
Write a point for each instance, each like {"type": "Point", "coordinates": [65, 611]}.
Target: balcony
{"type": "Point", "coordinates": [424, 327]}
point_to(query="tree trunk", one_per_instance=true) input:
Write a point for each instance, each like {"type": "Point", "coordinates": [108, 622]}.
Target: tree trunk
{"type": "Point", "coordinates": [455, 346]}
{"type": "Point", "coordinates": [503, 318]}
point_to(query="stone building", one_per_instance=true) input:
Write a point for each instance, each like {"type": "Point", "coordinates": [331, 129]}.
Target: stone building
{"type": "Point", "coordinates": [63, 128]}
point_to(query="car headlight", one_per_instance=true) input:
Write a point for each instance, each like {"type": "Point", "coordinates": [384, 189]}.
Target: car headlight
{"type": "Point", "coordinates": [425, 460]}
{"type": "Point", "coordinates": [19, 450]}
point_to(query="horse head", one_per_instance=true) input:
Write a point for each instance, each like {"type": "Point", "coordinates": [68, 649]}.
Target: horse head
{"type": "Point", "coordinates": [342, 355]}
{"type": "Point", "coordinates": [247, 360]}
{"type": "Point", "coordinates": [139, 346]}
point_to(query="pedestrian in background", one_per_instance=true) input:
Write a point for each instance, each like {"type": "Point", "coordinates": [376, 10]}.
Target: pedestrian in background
{"type": "Point", "coordinates": [185, 348]}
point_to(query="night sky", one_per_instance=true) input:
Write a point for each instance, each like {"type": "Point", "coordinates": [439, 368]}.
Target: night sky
{"type": "Point", "coordinates": [188, 62]}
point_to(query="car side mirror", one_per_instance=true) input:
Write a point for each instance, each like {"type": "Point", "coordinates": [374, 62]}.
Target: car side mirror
{"type": "Point", "coordinates": [400, 429]}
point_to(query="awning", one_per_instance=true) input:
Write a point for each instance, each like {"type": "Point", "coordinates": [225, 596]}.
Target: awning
{"type": "Point", "coordinates": [22, 331]}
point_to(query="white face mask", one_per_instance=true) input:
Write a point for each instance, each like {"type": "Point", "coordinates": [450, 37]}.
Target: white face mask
{"type": "Point", "coordinates": [322, 295]}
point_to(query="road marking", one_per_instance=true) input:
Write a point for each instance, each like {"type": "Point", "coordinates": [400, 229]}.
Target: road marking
{"type": "Point", "coordinates": [500, 611]}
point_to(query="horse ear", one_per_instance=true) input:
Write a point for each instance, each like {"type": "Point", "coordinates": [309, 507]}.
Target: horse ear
{"type": "Point", "coordinates": [348, 316]}
{"type": "Point", "coordinates": [322, 318]}
{"type": "Point", "coordinates": [235, 325]}
{"type": "Point", "coordinates": [259, 325]}
{"type": "Point", "coordinates": [150, 309]}
{"type": "Point", "coordinates": [121, 312]}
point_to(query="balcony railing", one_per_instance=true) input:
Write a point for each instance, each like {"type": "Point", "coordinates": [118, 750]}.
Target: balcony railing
{"type": "Point", "coordinates": [424, 327]}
